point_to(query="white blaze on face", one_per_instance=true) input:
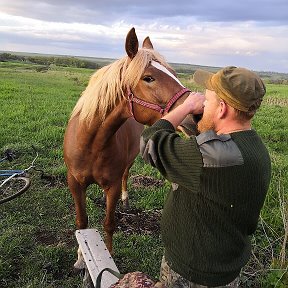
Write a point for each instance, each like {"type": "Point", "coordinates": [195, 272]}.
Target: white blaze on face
{"type": "Point", "coordinates": [165, 70]}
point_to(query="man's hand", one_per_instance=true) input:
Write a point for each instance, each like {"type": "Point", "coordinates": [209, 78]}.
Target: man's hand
{"type": "Point", "coordinates": [194, 102]}
{"type": "Point", "coordinates": [192, 105]}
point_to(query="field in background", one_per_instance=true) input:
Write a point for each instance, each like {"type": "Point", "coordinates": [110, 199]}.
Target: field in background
{"type": "Point", "coordinates": [37, 242]}
{"type": "Point", "coordinates": [94, 62]}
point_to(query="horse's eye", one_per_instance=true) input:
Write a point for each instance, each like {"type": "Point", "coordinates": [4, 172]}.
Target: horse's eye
{"type": "Point", "coordinates": [148, 79]}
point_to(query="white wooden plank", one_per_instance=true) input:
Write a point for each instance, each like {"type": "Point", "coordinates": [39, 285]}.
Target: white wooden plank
{"type": "Point", "coordinates": [96, 256]}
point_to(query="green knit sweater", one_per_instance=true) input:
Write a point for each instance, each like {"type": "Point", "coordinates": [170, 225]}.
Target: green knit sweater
{"type": "Point", "coordinates": [219, 183]}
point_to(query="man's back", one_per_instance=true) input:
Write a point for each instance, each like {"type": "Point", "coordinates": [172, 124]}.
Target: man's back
{"type": "Point", "coordinates": [205, 229]}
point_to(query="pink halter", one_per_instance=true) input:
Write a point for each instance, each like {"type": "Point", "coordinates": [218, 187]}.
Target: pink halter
{"type": "Point", "coordinates": [155, 107]}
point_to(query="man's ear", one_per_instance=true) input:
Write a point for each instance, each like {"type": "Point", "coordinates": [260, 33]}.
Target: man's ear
{"type": "Point", "coordinates": [222, 110]}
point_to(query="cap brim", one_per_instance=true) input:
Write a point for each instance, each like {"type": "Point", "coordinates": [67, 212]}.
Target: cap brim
{"type": "Point", "coordinates": [202, 78]}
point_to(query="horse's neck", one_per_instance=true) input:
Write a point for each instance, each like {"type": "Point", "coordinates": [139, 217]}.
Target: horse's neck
{"type": "Point", "coordinates": [102, 132]}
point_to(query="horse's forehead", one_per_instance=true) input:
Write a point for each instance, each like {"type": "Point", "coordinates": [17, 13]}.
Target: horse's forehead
{"type": "Point", "coordinates": [160, 67]}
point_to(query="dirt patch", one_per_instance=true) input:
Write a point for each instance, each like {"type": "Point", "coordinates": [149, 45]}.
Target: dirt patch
{"type": "Point", "coordinates": [137, 221]}
{"type": "Point", "coordinates": [53, 181]}
{"type": "Point", "coordinates": [46, 237]}
{"type": "Point", "coordinates": [50, 238]}
{"type": "Point", "coordinates": [134, 220]}
{"type": "Point", "coordinates": [145, 181]}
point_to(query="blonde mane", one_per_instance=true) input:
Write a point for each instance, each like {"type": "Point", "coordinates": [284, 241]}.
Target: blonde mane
{"type": "Point", "coordinates": [107, 85]}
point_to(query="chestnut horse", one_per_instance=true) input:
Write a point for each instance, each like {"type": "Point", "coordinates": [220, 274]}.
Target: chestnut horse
{"type": "Point", "coordinates": [102, 137]}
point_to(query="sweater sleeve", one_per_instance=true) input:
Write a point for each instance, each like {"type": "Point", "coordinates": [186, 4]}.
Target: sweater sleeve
{"type": "Point", "coordinates": [178, 160]}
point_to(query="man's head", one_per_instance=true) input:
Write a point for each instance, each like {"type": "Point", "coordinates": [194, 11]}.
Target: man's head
{"type": "Point", "coordinates": [238, 87]}
{"type": "Point", "coordinates": [232, 89]}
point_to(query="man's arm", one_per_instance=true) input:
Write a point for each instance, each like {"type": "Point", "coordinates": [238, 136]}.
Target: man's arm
{"type": "Point", "coordinates": [192, 105]}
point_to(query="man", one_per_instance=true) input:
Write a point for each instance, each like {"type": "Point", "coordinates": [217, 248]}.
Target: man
{"type": "Point", "coordinates": [219, 180]}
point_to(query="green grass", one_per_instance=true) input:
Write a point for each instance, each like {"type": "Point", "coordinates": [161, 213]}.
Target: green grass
{"type": "Point", "coordinates": [37, 242]}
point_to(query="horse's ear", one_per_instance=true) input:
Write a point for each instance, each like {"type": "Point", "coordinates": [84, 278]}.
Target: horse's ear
{"type": "Point", "coordinates": [147, 43]}
{"type": "Point", "coordinates": [132, 43]}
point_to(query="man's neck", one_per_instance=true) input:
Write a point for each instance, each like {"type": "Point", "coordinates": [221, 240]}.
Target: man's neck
{"type": "Point", "coordinates": [235, 127]}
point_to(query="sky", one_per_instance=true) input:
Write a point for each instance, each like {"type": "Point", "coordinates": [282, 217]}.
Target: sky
{"type": "Point", "coordinates": [244, 33]}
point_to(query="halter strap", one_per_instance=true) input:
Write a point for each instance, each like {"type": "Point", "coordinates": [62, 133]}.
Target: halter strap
{"type": "Point", "coordinates": [152, 106]}
{"type": "Point", "coordinates": [155, 107]}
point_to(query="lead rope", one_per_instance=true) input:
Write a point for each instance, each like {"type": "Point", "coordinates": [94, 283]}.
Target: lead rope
{"type": "Point", "coordinates": [99, 277]}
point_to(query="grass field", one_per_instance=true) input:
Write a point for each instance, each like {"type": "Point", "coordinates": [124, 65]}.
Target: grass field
{"type": "Point", "coordinates": [37, 242]}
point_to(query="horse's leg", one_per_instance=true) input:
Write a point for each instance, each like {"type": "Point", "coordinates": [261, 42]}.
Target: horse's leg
{"type": "Point", "coordinates": [112, 197]}
{"type": "Point", "coordinates": [124, 195]}
{"type": "Point", "coordinates": [79, 195]}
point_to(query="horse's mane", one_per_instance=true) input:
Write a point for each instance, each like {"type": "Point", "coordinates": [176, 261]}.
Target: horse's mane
{"type": "Point", "coordinates": [107, 85]}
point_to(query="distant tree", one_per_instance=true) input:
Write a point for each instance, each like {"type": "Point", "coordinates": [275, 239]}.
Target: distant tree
{"type": "Point", "coordinates": [10, 57]}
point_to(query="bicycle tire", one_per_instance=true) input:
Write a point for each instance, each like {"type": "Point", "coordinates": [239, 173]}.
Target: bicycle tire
{"type": "Point", "coordinates": [14, 188]}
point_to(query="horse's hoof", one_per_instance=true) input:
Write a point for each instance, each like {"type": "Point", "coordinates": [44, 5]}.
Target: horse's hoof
{"type": "Point", "coordinates": [87, 281]}
{"type": "Point", "coordinates": [77, 271]}
{"type": "Point", "coordinates": [125, 204]}
{"type": "Point", "coordinates": [103, 200]}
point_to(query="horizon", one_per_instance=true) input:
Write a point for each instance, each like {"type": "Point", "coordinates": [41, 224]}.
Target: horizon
{"type": "Point", "coordinates": [113, 59]}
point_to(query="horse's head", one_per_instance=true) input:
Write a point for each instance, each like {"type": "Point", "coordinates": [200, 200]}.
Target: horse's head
{"type": "Point", "coordinates": [150, 83]}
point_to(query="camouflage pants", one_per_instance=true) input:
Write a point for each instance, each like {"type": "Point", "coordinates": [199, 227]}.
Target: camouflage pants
{"type": "Point", "coordinates": [173, 280]}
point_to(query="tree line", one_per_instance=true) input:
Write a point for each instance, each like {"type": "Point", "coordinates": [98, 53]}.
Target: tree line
{"type": "Point", "coordinates": [48, 60]}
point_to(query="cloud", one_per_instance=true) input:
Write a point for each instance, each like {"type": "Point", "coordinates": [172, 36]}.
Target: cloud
{"type": "Point", "coordinates": [252, 34]}
{"type": "Point", "coordinates": [105, 12]}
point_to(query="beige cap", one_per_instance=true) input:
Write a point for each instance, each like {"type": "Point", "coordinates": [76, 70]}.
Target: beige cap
{"type": "Point", "coordinates": [238, 87]}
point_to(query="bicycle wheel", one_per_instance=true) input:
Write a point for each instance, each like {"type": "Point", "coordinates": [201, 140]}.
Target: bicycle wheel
{"type": "Point", "coordinates": [13, 188]}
